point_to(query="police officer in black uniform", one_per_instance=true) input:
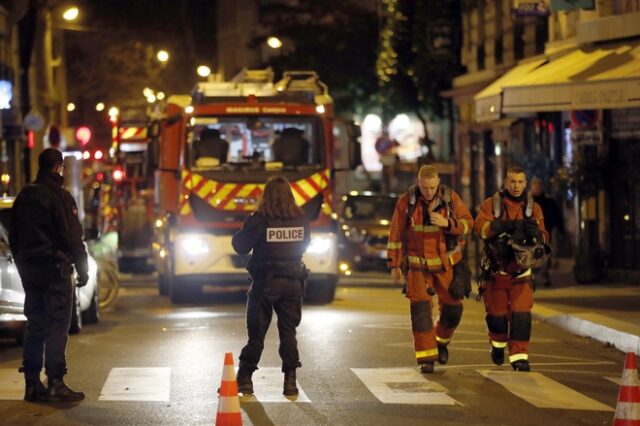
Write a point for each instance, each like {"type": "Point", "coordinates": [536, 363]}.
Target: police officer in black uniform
{"type": "Point", "coordinates": [278, 234]}
{"type": "Point", "coordinates": [46, 241]}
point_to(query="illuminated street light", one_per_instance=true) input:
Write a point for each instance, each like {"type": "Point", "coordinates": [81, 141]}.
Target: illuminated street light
{"type": "Point", "coordinates": [274, 42]}
{"type": "Point", "coordinates": [71, 106]}
{"type": "Point", "coordinates": [163, 55]}
{"type": "Point", "coordinates": [151, 98]}
{"type": "Point", "coordinates": [146, 92]}
{"type": "Point", "coordinates": [100, 106]}
{"type": "Point", "coordinates": [71, 14]}
{"type": "Point", "coordinates": [113, 112]}
{"type": "Point", "coordinates": [160, 96]}
{"type": "Point", "coordinates": [203, 71]}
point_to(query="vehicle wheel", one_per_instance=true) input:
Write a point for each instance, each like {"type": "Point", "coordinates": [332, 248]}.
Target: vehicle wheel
{"type": "Point", "coordinates": [92, 315]}
{"type": "Point", "coordinates": [322, 292]}
{"type": "Point", "coordinates": [163, 284]}
{"type": "Point", "coordinates": [19, 334]}
{"type": "Point", "coordinates": [76, 315]}
{"type": "Point", "coordinates": [183, 292]}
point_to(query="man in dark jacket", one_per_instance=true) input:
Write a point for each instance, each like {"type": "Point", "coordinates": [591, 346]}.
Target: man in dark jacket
{"type": "Point", "coordinates": [552, 220]}
{"type": "Point", "coordinates": [46, 240]}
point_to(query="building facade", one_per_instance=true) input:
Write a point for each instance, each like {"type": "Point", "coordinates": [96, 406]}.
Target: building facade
{"type": "Point", "coordinates": [570, 113]}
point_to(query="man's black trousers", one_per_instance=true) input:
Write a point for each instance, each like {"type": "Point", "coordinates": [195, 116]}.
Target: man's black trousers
{"type": "Point", "coordinates": [48, 311]}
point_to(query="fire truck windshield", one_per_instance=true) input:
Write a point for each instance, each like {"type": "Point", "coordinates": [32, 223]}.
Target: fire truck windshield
{"type": "Point", "coordinates": [214, 142]}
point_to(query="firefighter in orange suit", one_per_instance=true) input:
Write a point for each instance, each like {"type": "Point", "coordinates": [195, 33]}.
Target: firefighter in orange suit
{"type": "Point", "coordinates": [425, 242]}
{"type": "Point", "coordinates": [508, 217]}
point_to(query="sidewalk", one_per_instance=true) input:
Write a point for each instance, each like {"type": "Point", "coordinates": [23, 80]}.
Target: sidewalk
{"type": "Point", "coordinates": [606, 312]}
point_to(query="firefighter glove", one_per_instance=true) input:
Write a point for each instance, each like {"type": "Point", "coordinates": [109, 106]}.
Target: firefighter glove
{"type": "Point", "coordinates": [500, 226]}
{"type": "Point", "coordinates": [82, 279]}
{"type": "Point", "coordinates": [531, 229]}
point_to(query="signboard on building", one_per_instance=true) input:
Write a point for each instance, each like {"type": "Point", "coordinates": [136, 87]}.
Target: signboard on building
{"type": "Point", "coordinates": [531, 7]}
{"type": "Point", "coordinates": [442, 40]}
{"type": "Point", "coordinates": [586, 137]}
{"type": "Point", "coordinates": [557, 5]}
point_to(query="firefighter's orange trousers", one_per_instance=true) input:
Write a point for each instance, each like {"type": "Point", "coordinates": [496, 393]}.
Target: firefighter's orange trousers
{"type": "Point", "coordinates": [425, 336]}
{"type": "Point", "coordinates": [508, 302]}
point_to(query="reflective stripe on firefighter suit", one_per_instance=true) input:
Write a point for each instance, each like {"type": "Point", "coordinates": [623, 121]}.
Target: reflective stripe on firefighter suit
{"type": "Point", "coordinates": [430, 265]}
{"type": "Point", "coordinates": [508, 294]}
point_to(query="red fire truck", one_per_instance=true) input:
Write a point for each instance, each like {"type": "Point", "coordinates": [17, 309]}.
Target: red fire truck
{"type": "Point", "coordinates": [254, 126]}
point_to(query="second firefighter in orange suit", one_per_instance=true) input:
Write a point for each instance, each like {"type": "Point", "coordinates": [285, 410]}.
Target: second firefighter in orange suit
{"type": "Point", "coordinates": [507, 288]}
{"type": "Point", "coordinates": [427, 231]}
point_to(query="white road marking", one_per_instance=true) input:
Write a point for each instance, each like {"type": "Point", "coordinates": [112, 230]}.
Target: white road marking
{"type": "Point", "coordinates": [616, 380]}
{"type": "Point", "coordinates": [542, 391]}
{"type": "Point", "coordinates": [137, 384]}
{"type": "Point", "coordinates": [403, 386]}
{"type": "Point", "coordinates": [267, 387]}
{"type": "Point", "coordinates": [11, 384]}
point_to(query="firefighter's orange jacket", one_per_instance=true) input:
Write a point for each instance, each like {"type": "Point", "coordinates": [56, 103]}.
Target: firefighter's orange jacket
{"type": "Point", "coordinates": [513, 210]}
{"type": "Point", "coordinates": [424, 244]}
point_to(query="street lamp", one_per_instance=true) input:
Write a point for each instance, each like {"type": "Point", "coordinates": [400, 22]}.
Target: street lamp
{"type": "Point", "coordinates": [71, 106]}
{"type": "Point", "coordinates": [71, 14]}
{"type": "Point", "coordinates": [203, 71]}
{"type": "Point", "coordinates": [100, 106]}
{"type": "Point", "coordinates": [163, 56]}
{"type": "Point", "coordinates": [274, 42]}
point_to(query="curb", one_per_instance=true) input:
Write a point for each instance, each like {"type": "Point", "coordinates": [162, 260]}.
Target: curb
{"type": "Point", "coordinates": [624, 342]}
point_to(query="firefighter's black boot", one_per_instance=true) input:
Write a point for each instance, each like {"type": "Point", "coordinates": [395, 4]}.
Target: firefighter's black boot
{"type": "Point", "coordinates": [35, 391]}
{"type": "Point", "coordinates": [58, 391]}
{"type": "Point", "coordinates": [497, 355]}
{"type": "Point", "coordinates": [521, 365]}
{"type": "Point", "coordinates": [427, 367]}
{"type": "Point", "coordinates": [245, 385]}
{"type": "Point", "coordinates": [290, 388]}
{"type": "Point", "coordinates": [443, 354]}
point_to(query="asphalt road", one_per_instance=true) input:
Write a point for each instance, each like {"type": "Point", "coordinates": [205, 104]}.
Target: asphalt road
{"type": "Point", "coordinates": [151, 363]}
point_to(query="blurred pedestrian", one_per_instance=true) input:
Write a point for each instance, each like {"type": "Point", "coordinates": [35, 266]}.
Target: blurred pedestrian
{"type": "Point", "coordinates": [278, 234]}
{"type": "Point", "coordinates": [552, 221]}
{"type": "Point", "coordinates": [425, 247]}
{"type": "Point", "coordinates": [387, 149]}
{"type": "Point", "coordinates": [511, 225]}
{"type": "Point", "coordinates": [46, 240]}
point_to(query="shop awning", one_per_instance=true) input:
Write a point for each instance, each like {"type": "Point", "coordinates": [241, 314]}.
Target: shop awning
{"type": "Point", "coordinates": [605, 77]}
{"type": "Point", "coordinates": [489, 100]}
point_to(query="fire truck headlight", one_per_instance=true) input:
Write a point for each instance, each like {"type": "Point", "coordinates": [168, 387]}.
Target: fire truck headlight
{"type": "Point", "coordinates": [195, 246]}
{"type": "Point", "coordinates": [319, 245]}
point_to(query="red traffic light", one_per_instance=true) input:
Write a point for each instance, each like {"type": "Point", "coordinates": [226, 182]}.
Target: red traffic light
{"type": "Point", "coordinates": [83, 135]}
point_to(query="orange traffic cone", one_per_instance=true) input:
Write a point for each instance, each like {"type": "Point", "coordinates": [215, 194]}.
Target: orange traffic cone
{"type": "Point", "coordinates": [628, 408]}
{"type": "Point", "coordinates": [228, 401]}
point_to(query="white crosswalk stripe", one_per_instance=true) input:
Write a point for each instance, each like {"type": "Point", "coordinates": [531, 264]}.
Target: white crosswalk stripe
{"type": "Point", "coordinates": [403, 386]}
{"type": "Point", "coordinates": [388, 385]}
{"type": "Point", "coordinates": [137, 384]}
{"type": "Point", "coordinates": [542, 391]}
{"type": "Point", "coordinates": [11, 384]}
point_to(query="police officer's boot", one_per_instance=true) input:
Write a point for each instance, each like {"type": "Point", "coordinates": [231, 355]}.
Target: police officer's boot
{"type": "Point", "coordinates": [497, 355]}
{"type": "Point", "coordinates": [521, 365]}
{"type": "Point", "coordinates": [290, 388]}
{"type": "Point", "coordinates": [58, 391]}
{"type": "Point", "coordinates": [443, 354]}
{"type": "Point", "coordinates": [245, 385]}
{"type": "Point", "coordinates": [35, 391]}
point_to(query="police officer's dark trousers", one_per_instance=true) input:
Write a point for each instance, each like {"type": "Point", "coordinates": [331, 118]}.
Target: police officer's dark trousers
{"type": "Point", "coordinates": [284, 296]}
{"type": "Point", "coordinates": [47, 307]}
